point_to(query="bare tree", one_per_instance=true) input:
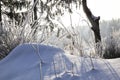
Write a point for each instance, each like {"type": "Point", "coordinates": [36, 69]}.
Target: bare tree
{"type": "Point", "coordinates": [95, 27]}
{"type": "Point", "coordinates": [93, 20]}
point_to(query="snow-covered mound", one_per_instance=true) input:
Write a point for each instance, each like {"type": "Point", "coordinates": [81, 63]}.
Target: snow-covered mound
{"type": "Point", "coordinates": [41, 62]}
{"type": "Point", "coordinates": [23, 63]}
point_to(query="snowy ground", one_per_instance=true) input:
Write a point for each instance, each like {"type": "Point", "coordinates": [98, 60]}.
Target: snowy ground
{"type": "Point", "coordinates": [40, 62]}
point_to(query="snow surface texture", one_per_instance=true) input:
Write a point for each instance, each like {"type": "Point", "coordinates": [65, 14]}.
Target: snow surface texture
{"type": "Point", "coordinates": [41, 62]}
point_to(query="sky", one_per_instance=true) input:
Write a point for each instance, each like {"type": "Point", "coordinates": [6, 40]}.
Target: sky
{"type": "Point", "coordinates": [106, 9]}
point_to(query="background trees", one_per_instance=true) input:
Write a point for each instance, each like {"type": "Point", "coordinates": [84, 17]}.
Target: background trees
{"type": "Point", "coordinates": [9, 8]}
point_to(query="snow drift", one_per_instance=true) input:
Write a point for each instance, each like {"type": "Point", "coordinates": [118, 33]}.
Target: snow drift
{"type": "Point", "coordinates": [23, 62]}
{"type": "Point", "coordinates": [41, 62]}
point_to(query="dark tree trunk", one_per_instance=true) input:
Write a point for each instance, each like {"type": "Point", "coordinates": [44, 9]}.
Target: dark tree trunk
{"type": "Point", "coordinates": [0, 13]}
{"type": "Point", "coordinates": [35, 15]}
{"type": "Point", "coordinates": [93, 20]}
{"type": "Point", "coordinates": [35, 11]}
{"type": "Point", "coordinates": [95, 27]}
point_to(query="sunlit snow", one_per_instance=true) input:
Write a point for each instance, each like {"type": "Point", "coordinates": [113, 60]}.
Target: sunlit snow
{"type": "Point", "coordinates": [42, 62]}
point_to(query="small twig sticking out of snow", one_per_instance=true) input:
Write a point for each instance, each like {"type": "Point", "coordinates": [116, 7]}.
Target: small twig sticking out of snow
{"type": "Point", "coordinates": [64, 64]}
{"type": "Point", "coordinates": [54, 68]}
{"type": "Point", "coordinates": [60, 65]}
{"type": "Point", "coordinates": [41, 70]}
{"type": "Point", "coordinates": [75, 67]}
{"type": "Point", "coordinates": [92, 64]}
{"type": "Point", "coordinates": [38, 53]}
{"type": "Point", "coordinates": [72, 68]}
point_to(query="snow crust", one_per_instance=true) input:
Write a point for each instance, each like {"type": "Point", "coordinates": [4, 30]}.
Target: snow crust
{"type": "Point", "coordinates": [24, 63]}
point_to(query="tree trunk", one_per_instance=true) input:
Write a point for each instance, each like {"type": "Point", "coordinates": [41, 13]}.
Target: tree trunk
{"type": "Point", "coordinates": [34, 15]}
{"type": "Point", "coordinates": [0, 13]}
{"type": "Point", "coordinates": [35, 11]}
{"type": "Point", "coordinates": [93, 20]}
{"type": "Point", "coordinates": [95, 27]}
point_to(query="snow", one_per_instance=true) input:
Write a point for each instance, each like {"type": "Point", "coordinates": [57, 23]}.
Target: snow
{"type": "Point", "coordinates": [43, 62]}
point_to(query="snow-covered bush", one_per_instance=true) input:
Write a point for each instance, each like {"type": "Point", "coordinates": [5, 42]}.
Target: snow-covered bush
{"type": "Point", "coordinates": [112, 46]}
{"type": "Point", "coordinates": [110, 32]}
{"type": "Point", "coordinates": [12, 35]}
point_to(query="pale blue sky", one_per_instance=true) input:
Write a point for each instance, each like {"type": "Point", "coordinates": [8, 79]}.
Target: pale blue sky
{"type": "Point", "coordinates": [107, 9]}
